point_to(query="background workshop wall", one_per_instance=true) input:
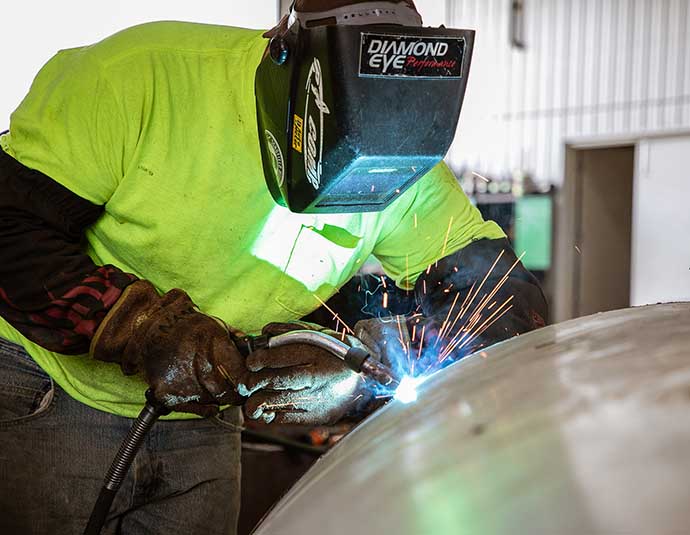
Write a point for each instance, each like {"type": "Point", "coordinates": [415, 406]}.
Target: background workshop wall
{"type": "Point", "coordinates": [546, 71]}
{"type": "Point", "coordinates": [33, 30]}
{"type": "Point", "coordinates": [558, 89]}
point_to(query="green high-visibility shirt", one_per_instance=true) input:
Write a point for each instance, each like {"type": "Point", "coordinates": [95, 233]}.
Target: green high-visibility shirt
{"type": "Point", "coordinates": [158, 124]}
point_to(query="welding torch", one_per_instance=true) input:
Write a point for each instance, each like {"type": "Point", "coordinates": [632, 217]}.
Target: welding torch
{"type": "Point", "coordinates": [357, 358]}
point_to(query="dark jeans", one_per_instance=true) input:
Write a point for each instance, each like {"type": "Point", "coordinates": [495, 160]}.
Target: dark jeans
{"type": "Point", "coordinates": [54, 452]}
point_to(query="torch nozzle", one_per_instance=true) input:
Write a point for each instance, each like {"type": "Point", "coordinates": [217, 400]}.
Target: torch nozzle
{"type": "Point", "coordinates": [380, 373]}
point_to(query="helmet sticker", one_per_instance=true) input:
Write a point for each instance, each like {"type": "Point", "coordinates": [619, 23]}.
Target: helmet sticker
{"type": "Point", "coordinates": [314, 107]}
{"type": "Point", "coordinates": [411, 56]}
{"type": "Point", "coordinates": [297, 132]}
{"type": "Point", "coordinates": [277, 161]}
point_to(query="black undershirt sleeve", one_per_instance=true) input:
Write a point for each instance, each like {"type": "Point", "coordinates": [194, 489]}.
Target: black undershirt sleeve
{"type": "Point", "coordinates": [50, 289]}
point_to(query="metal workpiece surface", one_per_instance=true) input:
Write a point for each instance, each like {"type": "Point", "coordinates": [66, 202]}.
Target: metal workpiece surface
{"type": "Point", "coordinates": [581, 427]}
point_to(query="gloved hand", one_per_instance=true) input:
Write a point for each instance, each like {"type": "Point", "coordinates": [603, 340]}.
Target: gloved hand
{"type": "Point", "coordinates": [466, 272]}
{"type": "Point", "coordinates": [387, 339]}
{"type": "Point", "coordinates": [300, 383]}
{"type": "Point", "coordinates": [188, 358]}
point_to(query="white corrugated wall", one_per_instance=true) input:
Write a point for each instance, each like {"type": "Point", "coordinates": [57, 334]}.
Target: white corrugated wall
{"type": "Point", "coordinates": [589, 68]}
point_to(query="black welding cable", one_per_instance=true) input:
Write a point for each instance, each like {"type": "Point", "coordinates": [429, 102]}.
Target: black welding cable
{"type": "Point", "coordinates": [122, 461]}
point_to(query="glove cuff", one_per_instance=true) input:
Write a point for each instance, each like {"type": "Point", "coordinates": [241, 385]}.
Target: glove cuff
{"type": "Point", "coordinates": [120, 325]}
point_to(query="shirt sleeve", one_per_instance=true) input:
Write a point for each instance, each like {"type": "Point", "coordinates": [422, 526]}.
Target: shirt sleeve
{"type": "Point", "coordinates": [70, 127]}
{"type": "Point", "coordinates": [430, 221]}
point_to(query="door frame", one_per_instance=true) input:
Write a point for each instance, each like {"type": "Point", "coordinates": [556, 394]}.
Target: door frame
{"type": "Point", "coordinates": [567, 228]}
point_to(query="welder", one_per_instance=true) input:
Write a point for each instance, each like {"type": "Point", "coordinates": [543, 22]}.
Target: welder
{"type": "Point", "coordinates": [176, 185]}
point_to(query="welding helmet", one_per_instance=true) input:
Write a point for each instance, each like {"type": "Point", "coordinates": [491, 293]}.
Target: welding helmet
{"type": "Point", "coordinates": [352, 114]}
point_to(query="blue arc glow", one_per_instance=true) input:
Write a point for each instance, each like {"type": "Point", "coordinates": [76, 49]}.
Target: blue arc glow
{"type": "Point", "coordinates": [407, 389]}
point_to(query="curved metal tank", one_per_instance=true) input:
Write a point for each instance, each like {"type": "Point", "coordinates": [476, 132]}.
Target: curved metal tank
{"type": "Point", "coordinates": [581, 427]}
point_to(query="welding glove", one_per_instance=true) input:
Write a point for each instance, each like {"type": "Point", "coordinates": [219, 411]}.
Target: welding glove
{"type": "Point", "coordinates": [301, 383]}
{"type": "Point", "coordinates": [497, 296]}
{"type": "Point", "coordinates": [387, 340]}
{"type": "Point", "coordinates": [188, 358]}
